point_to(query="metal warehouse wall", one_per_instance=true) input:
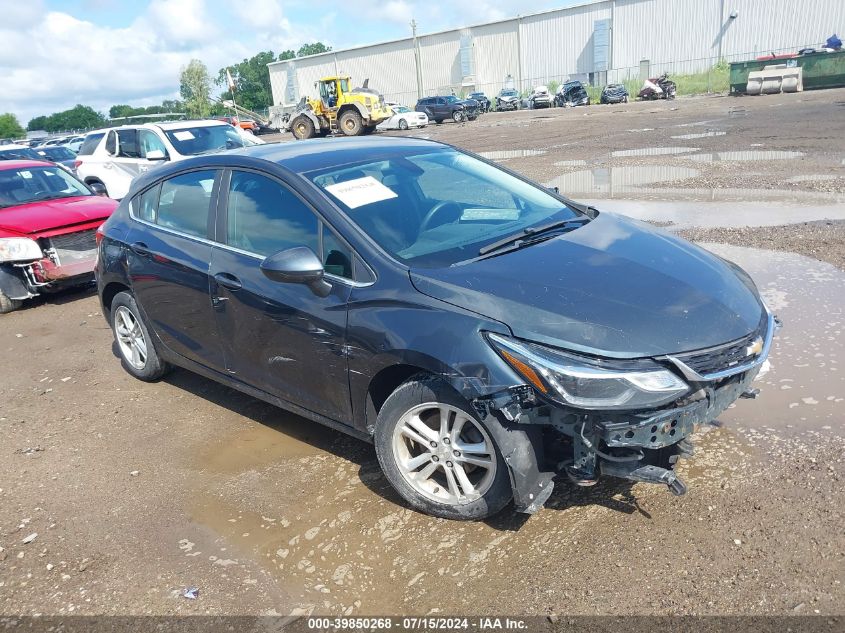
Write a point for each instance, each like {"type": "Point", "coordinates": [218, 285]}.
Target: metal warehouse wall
{"type": "Point", "coordinates": [679, 36]}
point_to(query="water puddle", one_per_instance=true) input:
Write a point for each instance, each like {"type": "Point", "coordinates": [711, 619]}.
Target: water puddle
{"type": "Point", "coordinates": [571, 163]}
{"type": "Point", "coordinates": [512, 153]}
{"type": "Point", "coordinates": [709, 134]}
{"type": "Point", "coordinates": [653, 151]}
{"type": "Point", "coordinates": [654, 182]}
{"type": "Point", "coordinates": [745, 155]}
{"type": "Point", "coordinates": [613, 181]}
{"type": "Point", "coordinates": [805, 388]}
{"type": "Point", "coordinates": [727, 212]}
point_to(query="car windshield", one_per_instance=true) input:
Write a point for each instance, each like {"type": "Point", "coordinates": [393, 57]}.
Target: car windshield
{"type": "Point", "coordinates": [57, 153]}
{"type": "Point", "coordinates": [451, 99]}
{"type": "Point", "coordinates": [19, 153]}
{"type": "Point", "coordinates": [508, 93]}
{"type": "Point", "coordinates": [205, 139]}
{"type": "Point", "coordinates": [31, 184]}
{"type": "Point", "coordinates": [438, 208]}
{"type": "Point", "coordinates": [402, 109]}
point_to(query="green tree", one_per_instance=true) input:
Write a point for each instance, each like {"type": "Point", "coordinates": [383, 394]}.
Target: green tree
{"type": "Point", "coordinates": [312, 49]}
{"type": "Point", "coordinates": [195, 86]}
{"type": "Point", "coordinates": [252, 81]}
{"type": "Point", "coordinates": [10, 127]}
{"type": "Point", "coordinates": [37, 123]}
{"type": "Point", "coordinates": [117, 111]}
{"type": "Point", "coordinates": [288, 54]}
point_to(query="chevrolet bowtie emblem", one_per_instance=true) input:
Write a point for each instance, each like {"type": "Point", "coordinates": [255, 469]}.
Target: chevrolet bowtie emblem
{"type": "Point", "coordinates": [755, 348]}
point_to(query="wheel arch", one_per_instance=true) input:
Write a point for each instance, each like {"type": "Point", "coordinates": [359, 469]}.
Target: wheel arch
{"type": "Point", "coordinates": [109, 292]}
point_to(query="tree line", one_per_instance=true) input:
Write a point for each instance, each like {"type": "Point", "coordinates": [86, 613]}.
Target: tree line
{"type": "Point", "coordinates": [252, 91]}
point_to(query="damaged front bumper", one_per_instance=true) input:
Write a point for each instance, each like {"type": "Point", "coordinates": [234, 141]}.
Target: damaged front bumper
{"type": "Point", "coordinates": [541, 440]}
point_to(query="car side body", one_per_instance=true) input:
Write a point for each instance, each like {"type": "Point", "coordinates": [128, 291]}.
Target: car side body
{"type": "Point", "coordinates": [339, 339]}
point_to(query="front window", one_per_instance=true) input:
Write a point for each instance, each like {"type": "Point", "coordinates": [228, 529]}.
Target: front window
{"type": "Point", "coordinates": [33, 184]}
{"type": "Point", "coordinates": [438, 208]}
{"type": "Point", "coordinates": [206, 139]}
{"type": "Point", "coordinates": [451, 99]}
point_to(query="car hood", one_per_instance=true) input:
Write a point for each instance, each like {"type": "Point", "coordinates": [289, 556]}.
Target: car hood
{"type": "Point", "coordinates": [508, 98]}
{"type": "Point", "coordinates": [613, 287]}
{"type": "Point", "coordinates": [48, 215]}
{"type": "Point", "coordinates": [469, 103]}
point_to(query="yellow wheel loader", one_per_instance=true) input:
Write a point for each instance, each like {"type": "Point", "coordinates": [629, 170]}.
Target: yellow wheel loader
{"type": "Point", "coordinates": [338, 109]}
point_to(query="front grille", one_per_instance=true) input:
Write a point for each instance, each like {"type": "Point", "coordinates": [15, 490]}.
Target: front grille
{"type": "Point", "coordinates": [74, 246]}
{"type": "Point", "coordinates": [724, 357]}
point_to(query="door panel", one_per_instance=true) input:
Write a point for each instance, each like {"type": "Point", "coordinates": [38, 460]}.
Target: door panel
{"type": "Point", "coordinates": [279, 337]}
{"type": "Point", "coordinates": [282, 338]}
{"type": "Point", "coordinates": [169, 269]}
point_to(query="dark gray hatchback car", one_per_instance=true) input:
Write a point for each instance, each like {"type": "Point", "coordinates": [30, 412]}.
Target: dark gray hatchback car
{"type": "Point", "coordinates": [485, 333]}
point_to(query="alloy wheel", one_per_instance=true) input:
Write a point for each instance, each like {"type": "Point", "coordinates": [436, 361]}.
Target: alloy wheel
{"type": "Point", "coordinates": [130, 338]}
{"type": "Point", "coordinates": [444, 454]}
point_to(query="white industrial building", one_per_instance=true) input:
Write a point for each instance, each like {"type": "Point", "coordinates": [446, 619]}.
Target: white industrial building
{"type": "Point", "coordinates": [596, 41]}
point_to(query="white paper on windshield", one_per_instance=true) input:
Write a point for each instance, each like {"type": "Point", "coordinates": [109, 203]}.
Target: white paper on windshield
{"type": "Point", "coordinates": [356, 193]}
{"type": "Point", "coordinates": [184, 135]}
{"type": "Point", "coordinates": [26, 174]}
{"type": "Point", "coordinates": [489, 214]}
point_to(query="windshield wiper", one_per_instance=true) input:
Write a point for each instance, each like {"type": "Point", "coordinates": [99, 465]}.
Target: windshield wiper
{"type": "Point", "coordinates": [518, 240]}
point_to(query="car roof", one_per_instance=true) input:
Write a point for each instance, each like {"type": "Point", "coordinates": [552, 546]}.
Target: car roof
{"type": "Point", "coordinates": [169, 125]}
{"type": "Point", "coordinates": [23, 164]}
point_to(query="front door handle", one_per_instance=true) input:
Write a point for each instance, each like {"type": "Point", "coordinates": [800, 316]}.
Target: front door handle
{"type": "Point", "coordinates": [228, 280]}
{"type": "Point", "coordinates": [139, 248]}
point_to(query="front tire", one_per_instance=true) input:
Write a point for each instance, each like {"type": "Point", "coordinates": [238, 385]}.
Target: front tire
{"type": "Point", "coordinates": [303, 128]}
{"type": "Point", "coordinates": [438, 455]}
{"type": "Point", "coordinates": [403, 124]}
{"type": "Point", "coordinates": [457, 116]}
{"type": "Point", "coordinates": [134, 343]}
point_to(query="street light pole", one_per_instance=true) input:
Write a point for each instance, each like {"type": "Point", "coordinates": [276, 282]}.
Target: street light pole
{"type": "Point", "coordinates": [417, 59]}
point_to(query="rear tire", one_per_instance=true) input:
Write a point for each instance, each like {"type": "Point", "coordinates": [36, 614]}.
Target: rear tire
{"type": "Point", "coordinates": [134, 343]}
{"type": "Point", "coordinates": [8, 305]}
{"type": "Point", "coordinates": [302, 128]}
{"type": "Point", "coordinates": [425, 411]}
{"type": "Point", "coordinates": [438, 121]}
{"type": "Point", "coordinates": [351, 123]}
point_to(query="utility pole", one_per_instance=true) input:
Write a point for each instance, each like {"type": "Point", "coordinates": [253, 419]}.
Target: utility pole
{"type": "Point", "coordinates": [417, 59]}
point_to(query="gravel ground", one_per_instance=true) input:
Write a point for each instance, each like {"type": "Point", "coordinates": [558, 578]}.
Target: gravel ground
{"type": "Point", "coordinates": [136, 491]}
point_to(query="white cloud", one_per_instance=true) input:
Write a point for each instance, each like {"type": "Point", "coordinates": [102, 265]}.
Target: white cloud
{"type": "Point", "coordinates": [68, 61]}
{"type": "Point", "coordinates": [398, 11]}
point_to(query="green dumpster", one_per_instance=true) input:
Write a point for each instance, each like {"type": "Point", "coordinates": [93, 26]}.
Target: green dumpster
{"type": "Point", "coordinates": [820, 70]}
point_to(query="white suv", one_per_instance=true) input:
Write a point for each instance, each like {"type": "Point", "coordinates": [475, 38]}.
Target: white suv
{"type": "Point", "coordinates": [113, 157]}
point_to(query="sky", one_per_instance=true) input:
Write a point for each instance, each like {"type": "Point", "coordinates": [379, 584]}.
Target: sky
{"type": "Point", "coordinates": [57, 53]}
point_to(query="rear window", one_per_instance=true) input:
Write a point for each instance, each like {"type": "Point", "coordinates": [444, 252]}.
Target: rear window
{"type": "Point", "coordinates": [90, 143]}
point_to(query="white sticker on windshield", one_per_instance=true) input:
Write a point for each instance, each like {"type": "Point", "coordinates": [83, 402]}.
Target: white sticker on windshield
{"type": "Point", "coordinates": [361, 191]}
{"type": "Point", "coordinates": [183, 135]}
{"type": "Point", "coordinates": [26, 174]}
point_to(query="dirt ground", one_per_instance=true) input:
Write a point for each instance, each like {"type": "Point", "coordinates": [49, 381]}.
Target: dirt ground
{"type": "Point", "coordinates": [137, 491]}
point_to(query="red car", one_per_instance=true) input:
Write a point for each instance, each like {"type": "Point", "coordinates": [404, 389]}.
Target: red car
{"type": "Point", "coordinates": [48, 224]}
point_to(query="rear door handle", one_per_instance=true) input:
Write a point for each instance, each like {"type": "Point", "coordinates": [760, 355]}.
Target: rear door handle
{"type": "Point", "coordinates": [228, 280]}
{"type": "Point", "coordinates": [139, 248]}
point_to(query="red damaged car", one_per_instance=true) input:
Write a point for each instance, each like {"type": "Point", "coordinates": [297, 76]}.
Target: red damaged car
{"type": "Point", "coordinates": [48, 225]}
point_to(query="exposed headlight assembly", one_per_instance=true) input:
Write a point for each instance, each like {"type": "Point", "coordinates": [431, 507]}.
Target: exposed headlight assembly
{"type": "Point", "coordinates": [587, 383]}
{"type": "Point", "coordinates": [19, 249]}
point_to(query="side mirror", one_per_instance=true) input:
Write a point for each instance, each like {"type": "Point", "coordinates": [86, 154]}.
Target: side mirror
{"type": "Point", "coordinates": [298, 265]}
{"type": "Point", "coordinates": [156, 154]}
{"type": "Point", "coordinates": [97, 188]}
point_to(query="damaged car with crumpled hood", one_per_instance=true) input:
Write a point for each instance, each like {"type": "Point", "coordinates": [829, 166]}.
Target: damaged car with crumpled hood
{"type": "Point", "coordinates": [489, 336]}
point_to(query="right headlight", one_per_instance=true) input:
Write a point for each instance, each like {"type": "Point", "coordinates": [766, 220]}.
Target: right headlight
{"type": "Point", "coordinates": [588, 383]}
{"type": "Point", "coordinates": [19, 249]}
